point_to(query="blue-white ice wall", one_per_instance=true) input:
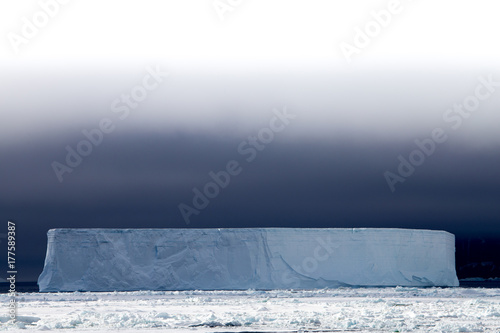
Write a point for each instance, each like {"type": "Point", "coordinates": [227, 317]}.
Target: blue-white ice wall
{"type": "Point", "coordinates": [258, 258]}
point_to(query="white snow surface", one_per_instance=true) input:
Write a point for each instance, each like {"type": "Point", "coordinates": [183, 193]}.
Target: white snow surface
{"type": "Point", "coordinates": [240, 259]}
{"type": "Point", "coordinates": [391, 309]}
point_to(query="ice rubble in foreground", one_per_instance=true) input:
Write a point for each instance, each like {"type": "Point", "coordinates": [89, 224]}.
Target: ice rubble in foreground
{"type": "Point", "coordinates": [255, 258]}
{"type": "Point", "coordinates": [370, 310]}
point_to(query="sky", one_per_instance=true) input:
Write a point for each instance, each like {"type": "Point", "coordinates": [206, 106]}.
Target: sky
{"type": "Point", "coordinates": [282, 113]}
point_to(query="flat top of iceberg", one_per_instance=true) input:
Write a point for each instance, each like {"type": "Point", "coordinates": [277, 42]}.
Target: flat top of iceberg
{"type": "Point", "coordinates": [111, 230]}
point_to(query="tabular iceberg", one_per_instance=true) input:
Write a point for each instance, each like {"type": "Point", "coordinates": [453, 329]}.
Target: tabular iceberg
{"type": "Point", "coordinates": [253, 258]}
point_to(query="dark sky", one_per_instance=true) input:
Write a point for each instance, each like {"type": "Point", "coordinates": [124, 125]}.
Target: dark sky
{"type": "Point", "coordinates": [138, 180]}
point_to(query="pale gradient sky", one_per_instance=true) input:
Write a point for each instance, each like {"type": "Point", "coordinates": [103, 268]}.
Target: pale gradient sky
{"type": "Point", "coordinates": [264, 55]}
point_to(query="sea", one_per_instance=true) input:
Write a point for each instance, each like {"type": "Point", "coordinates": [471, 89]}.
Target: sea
{"type": "Point", "coordinates": [32, 287]}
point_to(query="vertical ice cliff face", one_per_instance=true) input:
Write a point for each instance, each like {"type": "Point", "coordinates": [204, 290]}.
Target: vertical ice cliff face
{"type": "Point", "coordinates": [259, 258]}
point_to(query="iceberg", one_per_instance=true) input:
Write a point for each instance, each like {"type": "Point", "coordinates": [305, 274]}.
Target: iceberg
{"type": "Point", "coordinates": [245, 258]}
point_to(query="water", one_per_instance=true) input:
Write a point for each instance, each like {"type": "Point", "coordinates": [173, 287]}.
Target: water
{"type": "Point", "coordinates": [32, 287]}
{"type": "Point", "coordinates": [481, 284]}
{"type": "Point", "coordinates": [22, 287]}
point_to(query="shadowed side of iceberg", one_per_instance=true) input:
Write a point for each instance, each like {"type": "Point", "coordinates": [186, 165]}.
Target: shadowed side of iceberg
{"type": "Point", "coordinates": [256, 258]}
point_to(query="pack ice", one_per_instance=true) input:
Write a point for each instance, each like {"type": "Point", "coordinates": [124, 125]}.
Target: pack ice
{"type": "Point", "coordinates": [255, 258]}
